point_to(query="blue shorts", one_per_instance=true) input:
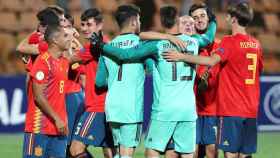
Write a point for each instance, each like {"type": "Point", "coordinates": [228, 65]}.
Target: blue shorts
{"type": "Point", "coordinates": [238, 134]}
{"type": "Point", "coordinates": [75, 108]}
{"type": "Point", "coordinates": [93, 129]}
{"type": "Point", "coordinates": [44, 146]}
{"type": "Point", "coordinates": [206, 130]}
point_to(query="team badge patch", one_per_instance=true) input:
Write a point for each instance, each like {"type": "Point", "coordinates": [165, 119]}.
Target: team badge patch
{"type": "Point", "coordinates": [40, 75]}
{"type": "Point", "coordinates": [38, 151]}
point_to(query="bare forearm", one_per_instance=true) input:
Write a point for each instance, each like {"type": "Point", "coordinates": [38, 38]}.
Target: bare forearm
{"type": "Point", "coordinates": [25, 48]}
{"type": "Point", "coordinates": [153, 36]}
{"type": "Point", "coordinates": [201, 60]}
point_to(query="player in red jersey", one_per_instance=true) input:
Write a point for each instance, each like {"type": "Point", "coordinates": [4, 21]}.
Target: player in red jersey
{"type": "Point", "coordinates": [92, 128]}
{"type": "Point", "coordinates": [46, 119]}
{"type": "Point", "coordinates": [241, 60]}
{"type": "Point", "coordinates": [206, 85]}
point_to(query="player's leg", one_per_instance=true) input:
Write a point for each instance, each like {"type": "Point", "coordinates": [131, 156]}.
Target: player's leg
{"type": "Point", "coordinates": [109, 150]}
{"type": "Point", "coordinates": [230, 135]}
{"type": "Point", "coordinates": [158, 136]}
{"type": "Point", "coordinates": [34, 145]}
{"type": "Point", "coordinates": [74, 108]}
{"type": "Point", "coordinates": [127, 137]}
{"type": "Point", "coordinates": [249, 138]}
{"type": "Point", "coordinates": [184, 137]}
{"type": "Point", "coordinates": [170, 152]}
{"type": "Point", "coordinates": [210, 136]}
{"type": "Point", "coordinates": [84, 135]}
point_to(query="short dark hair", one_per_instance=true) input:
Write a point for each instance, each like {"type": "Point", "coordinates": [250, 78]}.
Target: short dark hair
{"type": "Point", "coordinates": [209, 11]}
{"type": "Point", "coordinates": [47, 17]}
{"type": "Point", "coordinates": [168, 16]}
{"type": "Point", "coordinates": [92, 13]}
{"type": "Point", "coordinates": [57, 9]}
{"type": "Point", "coordinates": [125, 12]}
{"type": "Point", "coordinates": [69, 18]}
{"type": "Point", "coordinates": [243, 12]}
{"type": "Point", "coordinates": [50, 32]}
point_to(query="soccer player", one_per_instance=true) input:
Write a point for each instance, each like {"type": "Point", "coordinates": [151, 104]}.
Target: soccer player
{"type": "Point", "coordinates": [124, 101]}
{"type": "Point", "coordinates": [171, 80]}
{"type": "Point", "coordinates": [46, 119]}
{"type": "Point", "coordinates": [92, 128]}
{"type": "Point", "coordinates": [206, 85]}
{"type": "Point", "coordinates": [241, 60]}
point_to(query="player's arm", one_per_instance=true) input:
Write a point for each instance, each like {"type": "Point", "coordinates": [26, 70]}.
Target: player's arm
{"type": "Point", "coordinates": [101, 74]}
{"type": "Point", "coordinates": [25, 48]}
{"type": "Point", "coordinates": [195, 59]}
{"type": "Point", "coordinates": [142, 50]}
{"type": "Point", "coordinates": [44, 106]}
{"type": "Point", "coordinates": [162, 36]}
{"type": "Point", "coordinates": [208, 37]}
{"type": "Point", "coordinates": [149, 63]}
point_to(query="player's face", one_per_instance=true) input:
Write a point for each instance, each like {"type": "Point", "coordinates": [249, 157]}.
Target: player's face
{"type": "Point", "coordinates": [63, 22]}
{"type": "Point", "coordinates": [90, 26]}
{"type": "Point", "coordinates": [64, 39]}
{"type": "Point", "coordinates": [201, 19]}
{"type": "Point", "coordinates": [186, 25]}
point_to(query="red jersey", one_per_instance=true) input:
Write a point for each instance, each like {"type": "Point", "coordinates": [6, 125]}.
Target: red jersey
{"type": "Point", "coordinates": [239, 87]}
{"type": "Point", "coordinates": [206, 101]}
{"type": "Point", "coordinates": [36, 38]}
{"type": "Point", "coordinates": [94, 97]}
{"type": "Point", "coordinates": [53, 73]}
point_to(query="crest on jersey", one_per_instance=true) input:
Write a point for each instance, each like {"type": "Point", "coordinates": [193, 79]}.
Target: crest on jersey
{"type": "Point", "coordinates": [272, 104]}
{"type": "Point", "coordinates": [38, 151]}
{"type": "Point", "coordinates": [221, 50]}
{"type": "Point", "coordinates": [40, 75]}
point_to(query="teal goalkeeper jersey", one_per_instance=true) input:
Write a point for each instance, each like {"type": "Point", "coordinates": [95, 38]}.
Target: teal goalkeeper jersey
{"type": "Point", "coordinates": [124, 100]}
{"type": "Point", "coordinates": [173, 81]}
{"type": "Point", "coordinates": [174, 98]}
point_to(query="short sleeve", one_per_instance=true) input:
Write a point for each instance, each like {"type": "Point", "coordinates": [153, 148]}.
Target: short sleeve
{"type": "Point", "coordinates": [223, 49]}
{"type": "Point", "coordinates": [40, 71]}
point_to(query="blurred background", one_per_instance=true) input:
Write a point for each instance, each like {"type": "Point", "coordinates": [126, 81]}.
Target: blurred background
{"type": "Point", "coordinates": [18, 19]}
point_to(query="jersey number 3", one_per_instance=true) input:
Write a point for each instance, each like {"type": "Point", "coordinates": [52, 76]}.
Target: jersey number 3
{"type": "Point", "coordinates": [252, 67]}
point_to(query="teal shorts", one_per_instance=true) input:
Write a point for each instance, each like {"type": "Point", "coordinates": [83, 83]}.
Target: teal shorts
{"type": "Point", "coordinates": [126, 134]}
{"type": "Point", "coordinates": [182, 133]}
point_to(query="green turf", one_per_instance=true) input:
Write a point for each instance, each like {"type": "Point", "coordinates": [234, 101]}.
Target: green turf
{"type": "Point", "coordinates": [268, 146]}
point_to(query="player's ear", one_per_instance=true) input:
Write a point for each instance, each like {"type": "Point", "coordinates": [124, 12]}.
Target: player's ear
{"type": "Point", "coordinates": [100, 26]}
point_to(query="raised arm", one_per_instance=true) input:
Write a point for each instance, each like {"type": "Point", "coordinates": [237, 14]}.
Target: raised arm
{"type": "Point", "coordinates": [208, 37]}
{"type": "Point", "coordinates": [29, 49]}
{"type": "Point", "coordinates": [101, 74]}
{"type": "Point", "coordinates": [163, 36]}
{"type": "Point", "coordinates": [142, 50]}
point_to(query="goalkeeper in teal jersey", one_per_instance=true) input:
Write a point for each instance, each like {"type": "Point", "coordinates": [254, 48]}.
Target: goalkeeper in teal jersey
{"type": "Point", "coordinates": [124, 99]}
{"type": "Point", "coordinates": [173, 110]}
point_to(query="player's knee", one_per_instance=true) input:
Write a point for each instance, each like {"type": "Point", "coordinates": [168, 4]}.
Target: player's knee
{"type": "Point", "coordinates": [77, 148]}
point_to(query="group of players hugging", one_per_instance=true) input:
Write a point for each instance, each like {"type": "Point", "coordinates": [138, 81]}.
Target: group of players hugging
{"type": "Point", "coordinates": [205, 90]}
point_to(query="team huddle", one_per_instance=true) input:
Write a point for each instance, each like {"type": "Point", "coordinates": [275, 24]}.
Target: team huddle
{"type": "Point", "coordinates": [205, 91]}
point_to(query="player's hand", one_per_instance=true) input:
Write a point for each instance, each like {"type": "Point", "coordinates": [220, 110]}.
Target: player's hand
{"type": "Point", "coordinates": [97, 43]}
{"type": "Point", "coordinates": [61, 126]}
{"type": "Point", "coordinates": [172, 55]}
{"type": "Point", "coordinates": [211, 15]}
{"type": "Point", "coordinates": [203, 83]}
{"type": "Point", "coordinates": [178, 42]}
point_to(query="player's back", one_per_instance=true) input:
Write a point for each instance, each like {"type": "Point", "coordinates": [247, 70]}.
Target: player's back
{"type": "Point", "coordinates": [124, 100]}
{"type": "Point", "coordinates": [173, 85]}
{"type": "Point", "coordinates": [238, 92]}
